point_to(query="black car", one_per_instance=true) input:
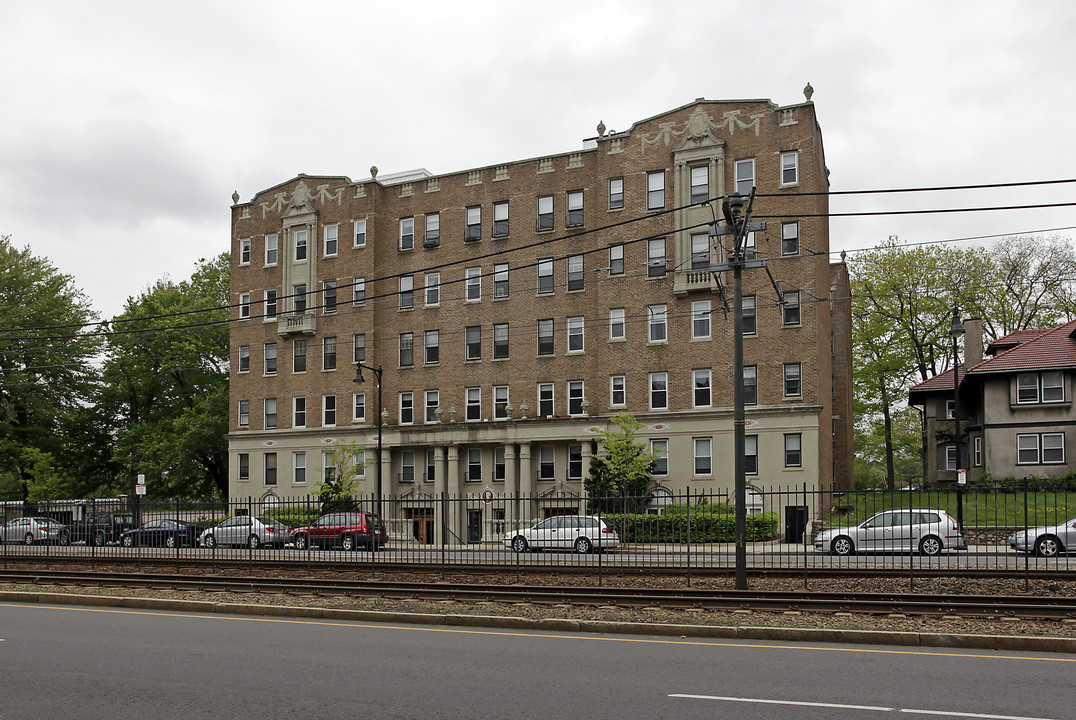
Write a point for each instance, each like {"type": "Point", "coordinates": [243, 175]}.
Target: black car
{"type": "Point", "coordinates": [101, 528]}
{"type": "Point", "coordinates": [168, 533]}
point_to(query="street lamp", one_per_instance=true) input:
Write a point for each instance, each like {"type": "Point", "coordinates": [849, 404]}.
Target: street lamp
{"type": "Point", "coordinates": [380, 423]}
{"type": "Point", "coordinates": [955, 332]}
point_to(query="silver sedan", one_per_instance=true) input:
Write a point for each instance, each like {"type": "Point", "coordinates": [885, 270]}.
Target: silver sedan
{"type": "Point", "coordinates": [31, 530]}
{"type": "Point", "coordinates": [248, 530]}
{"type": "Point", "coordinates": [1047, 541]}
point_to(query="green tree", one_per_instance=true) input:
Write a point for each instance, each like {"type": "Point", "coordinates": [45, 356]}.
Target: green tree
{"type": "Point", "coordinates": [1032, 284]}
{"type": "Point", "coordinates": [342, 475]}
{"type": "Point", "coordinates": [620, 473]}
{"type": "Point", "coordinates": [166, 384]}
{"type": "Point", "coordinates": [46, 376]}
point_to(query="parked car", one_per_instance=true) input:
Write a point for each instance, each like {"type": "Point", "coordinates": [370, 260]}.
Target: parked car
{"type": "Point", "coordinates": [348, 530]}
{"type": "Point", "coordinates": [250, 530]}
{"type": "Point", "coordinates": [169, 533]}
{"type": "Point", "coordinates": [924, 530]}
{"type": "Point", "coordinates": [101, 528]}
{"type": "Point", "coordinates": [581, 533]}
{"type": "Point", "coordinates": [1046, 541]}
{"type": "Point", "coordinates": [33, 530]}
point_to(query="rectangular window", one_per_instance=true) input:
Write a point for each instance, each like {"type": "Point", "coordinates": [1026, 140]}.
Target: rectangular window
{"type": "Point", "coordinates": [750, 385]}
{"type": "Point", "coordinates": [407, 292]}
{"type": "Point", "coordinates": [1027, 388]}
{"type": "Point", "coordinates": [474, 224]}
{"type": "Point", "coordinates": [616, 259]}
{"type": "Point", "coordinates": [500, 402]}
{"type": "Point", "coordinates": [407, 349]}
{"type": "Point", "coordinates": [575, 272]}
{"type": "Point", "coordinates": [1027, 450]}
{"type": "Point", "coordinates": [545, 213]}
{"type": "Point", "coordinates": [656, 262]}
{"type": "Point", "coordinates": [657, 318]}
{"type": "Point", "coordinates": [545, 337]}
{"type": "Point", "coordinates": [790, 307]}
{"type": "Point", "coordinates": [745, 176]}
{"type": "Point", "coordinates": [298, 298]}
{"type": "Point", "coordinates": [270, 304]}
{"type": "Point", "coordinates": [433, 230]}
{"type": "Point", "coordinates": [1053, 387]}
{"type": "Point", "coordinates": [659, 391]}
{"type": "Point", "coordinates": [328, 291]}
{"type": "Point", "coordinates": [433, 401]}
{"type": "Point", "coordinates": [359, 348]}
{"type": "Point", "coordinates": [1047, 448]}
{"type": "Point", "coordinates": [328, 410]}
{"type": "Point", "coordinates": [1053, 448]}
{"type": "Point", "coordinates": [474, 464]}
{"type": "Point", "coordinates": [750, 451]}
{"type": "Point", "coordinates": [407, 467]}
{"type": "Point", "coordinates": [790, 168]}
{"type": "Point", "coordinates": [575, 209]}
{"type": "Point", "coordinates": [300, 245]}
{"type": "Point", "coordinates": [500, 341]}
{"type": "Point", "coordinates": [616, 324]}
{"type": "Point", "coordinates": [244, 466]}
{"type": "Point", "coordinates": [270, 468]}
{"type": "Point", "coordinates": [244, 251]}
{"type": "Point", "coordinates": [700, 319]}
{"type": "Point", "coordinates": [407, 233]}
{"type": "Point", "coordinates": [358, 291]}
{"type": "Point", "coordinates": [244, 413]}
{"type": "Point", "coordinates": [703, 457]}
{"type": "Point", "coordinates": [750, 326]}
{"type": "Point", "coordinates": [617, 393]}
{"type": "Point", "coordinates": [616, 193]}
{"type": "Point", "coordinates": [407, 408]}
{"type": "Point", "coordinates": [271, 248]}
{"type": "Point", "coordinates": [545, 400]}
{"type": "Point", "coordinates": [298, 356]}
{"type": "Point", "coordinates": [700, 251]}
{"type": "Point", "coordinates": [655, 190]}
{"type": "Point", "coordinates": [575, 462]}
{"type": "Point", "coordinates": [793, 451]}
{"type": "Point", "coordinates": [244, 358]}
{"type": "Point", "coordinates": [298, 464]}
{"type": "Point", "coordinates": [575, 397]}
{"type": "Point", "coordinates": [328, 468]}
{"type": "Point", "coordinates": [701, 381]}
{"type": "Point", "coordinates": [659, 448]}
{"type": "Point", "coordinates": [499, 468]}
{"type": "Point", "coordinates": [244, 305]}
{"type": "Point", "coordinates": [431, 466]}
{"type": "Point", "coordinates": [474, 283]}
{"type": "Point", "coordinates": [474, 342]}
{"type": "Point", "coordinates": [431, 344]}
{"type": "Point", "coordinates": [977, 451]}
{"type": "Point", "coordinates": [474, 403]}
{"type": "Point", "coordinates": [360, 233]}
{"type": "Point", "coordinates": [433, 289]}
{"type": "Point", "coordinates": [500, 280]}
{"type": "Point", "coordinates": [547, 467]}
{"type": "Point", "coordinates": [545, 276]}
{"type": "Point", "coordinates": [328, 353]}
{"type": "Point", "coordinates": [700, 184]}
{"type": "Point", "coordinates": [269, 353]}
{"type": "Point", "coordinates": [270, 413]}
{"type": "Point", "coordinates": [500, 220]}
{"type": "Point", "coordinates": [790, 238]}
{"type": "Point", "coordinates": [298, 415]}
{"type": "Point", "coordinates": [358, 407]}
{"type": "Point", "coordinates": [793, 381]}
{"type": "Point", "coordinates": [331, 234]}
{"type": "Point", "coordinates": [575, 334]}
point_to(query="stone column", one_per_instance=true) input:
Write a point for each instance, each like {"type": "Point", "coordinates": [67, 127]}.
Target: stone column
{"type": "Point", "coordinates": [526, 482]}
{"type": "Point", "coordinates": [511, 485]}
{"type": "Point", "coordinates": [453, 523]}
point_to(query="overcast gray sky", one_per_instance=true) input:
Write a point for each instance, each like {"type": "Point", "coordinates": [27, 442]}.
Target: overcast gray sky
{"type": "Point", "coordinates": [127, 124]}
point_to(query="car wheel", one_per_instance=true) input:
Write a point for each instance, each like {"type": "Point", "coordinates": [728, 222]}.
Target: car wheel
{"type": "Point", "coordinates": [930, 546]}
{"type": "Point", "coordinates": [583, 546]}
{"type": "Point", "coordinates": [300, 542]}
{"type": "Point", "coordinates": [842, 545]}
{"type": "Point", "coordinates": [1047, 546]}
{"type": "Point", "coordinates": [347, 543]}
{"type": "Point", "coordinates": [209, 541]}
{"type": "Point", "coordinates": [519, 544]}
{"type": "Point", "coordinates": [128, 541]}
{"type": "Point", "coordinates": [63, 538]}
{"type": "Point", "coordinates": [254, 542]}
{"type": "Point", "coordinates": [170, 541]}
{"type": "Point", "coordinates": [99, 538]}
{"type": "Point", "coordinates": [29, 539]}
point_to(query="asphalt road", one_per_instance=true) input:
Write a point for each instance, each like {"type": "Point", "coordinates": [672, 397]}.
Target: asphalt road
{"type": "Point", "coordinates": [119, 663]}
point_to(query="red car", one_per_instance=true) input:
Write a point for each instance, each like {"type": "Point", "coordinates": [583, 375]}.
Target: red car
{"type": "Point", "coordinates": [348, 530]}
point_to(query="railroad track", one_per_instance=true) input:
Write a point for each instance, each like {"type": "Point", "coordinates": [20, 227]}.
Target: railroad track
{"type": "Point", "coordinates": [1021, 607]}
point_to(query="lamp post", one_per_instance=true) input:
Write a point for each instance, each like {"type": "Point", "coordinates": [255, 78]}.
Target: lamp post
{"type": "Point", "coordinates": [955, 332]}
{"type": "Point", "coordinates": [380, 423]}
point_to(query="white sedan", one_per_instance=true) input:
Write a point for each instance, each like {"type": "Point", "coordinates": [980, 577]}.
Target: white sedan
{"type": "Point", "coordinates": [582, 533]}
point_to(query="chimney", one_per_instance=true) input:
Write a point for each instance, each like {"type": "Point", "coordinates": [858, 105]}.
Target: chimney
{"type": "Point", "coordinates": [973, 342]}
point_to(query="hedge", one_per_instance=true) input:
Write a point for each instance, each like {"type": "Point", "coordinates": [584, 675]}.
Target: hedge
{"type": "Point", "coordinates": [706, 526]}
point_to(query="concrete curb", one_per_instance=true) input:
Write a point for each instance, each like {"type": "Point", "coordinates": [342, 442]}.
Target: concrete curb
{"type": "Point", "coordinates": [818, 635]}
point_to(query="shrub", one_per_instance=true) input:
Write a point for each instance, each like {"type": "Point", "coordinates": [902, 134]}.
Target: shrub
{"type": "Point", "coordinates": [709, 525]}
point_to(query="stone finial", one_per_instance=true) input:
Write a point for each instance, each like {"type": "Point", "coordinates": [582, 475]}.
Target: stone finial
{"type": "Point", "coordinates": [601, 129]}
{"type": "Point", "coordinates": [452, 413]}
{"type": "Point", "coordinates": [586, 406]}
{"type": "Point", "coordinates": [235, 198]}
{"type": "Point", "coordinates": [808, 91]}
{"type": "Point", "coordinates": [373, 172]}
{"type": "Point", "coordinates": [843, 255]}
{"type": "Point", "coordinates": [523, 409]}
{"type": "Point", "coordinates": [508, 410]}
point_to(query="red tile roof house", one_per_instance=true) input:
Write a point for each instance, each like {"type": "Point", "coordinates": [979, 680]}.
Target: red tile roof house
{"type": "Point", "coordinates": [1016, 413]}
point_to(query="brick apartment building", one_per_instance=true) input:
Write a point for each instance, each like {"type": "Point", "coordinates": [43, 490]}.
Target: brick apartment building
{"type": "Point", "coordinates": [514, 308]}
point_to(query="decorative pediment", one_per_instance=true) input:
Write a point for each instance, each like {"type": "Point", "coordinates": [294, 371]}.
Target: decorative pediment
{"type": "Point", "coordinates": [700, 130]}
{"type": "Point", "coordinates": [301, 201]}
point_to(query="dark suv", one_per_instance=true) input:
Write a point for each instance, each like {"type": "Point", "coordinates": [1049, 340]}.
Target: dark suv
{"type": "Point", "coordinates": [349, 530]}
{"type": "Point", "coordinates": [101, 528]}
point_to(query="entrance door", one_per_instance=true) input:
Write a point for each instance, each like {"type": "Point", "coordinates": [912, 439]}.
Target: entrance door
{"type": "Point", "coordinates": [474, 526]}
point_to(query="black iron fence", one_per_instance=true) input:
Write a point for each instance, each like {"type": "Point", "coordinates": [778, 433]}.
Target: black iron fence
{"type": "Point", "coordinates": [786, 528]}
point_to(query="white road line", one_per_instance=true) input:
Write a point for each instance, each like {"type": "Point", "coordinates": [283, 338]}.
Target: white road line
{"type": "Point", "coordinates": [871, 708]}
